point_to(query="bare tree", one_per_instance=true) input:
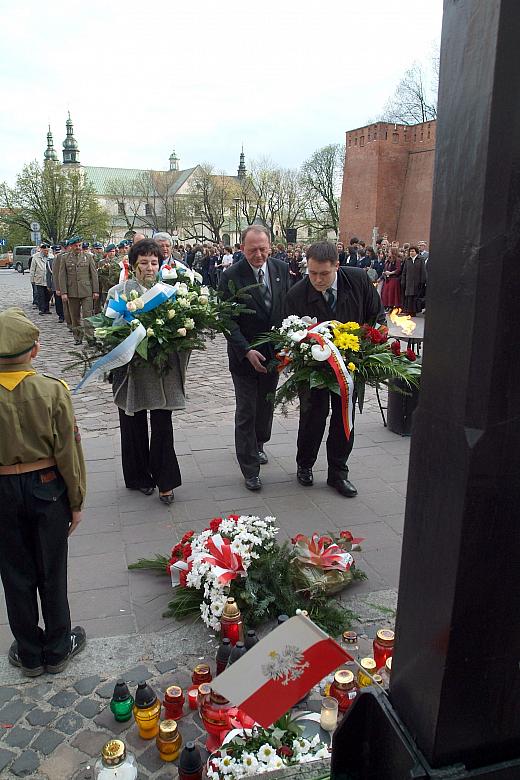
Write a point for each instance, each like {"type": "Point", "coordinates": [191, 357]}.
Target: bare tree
{"type": "Point", "coordinates": [322, 175]}
{"type": "Point", "coordinates": [292, 200]}
{"type": "Point", "coordinates": [208, 203]}
{"type": "Point", "coordinates": [130, 198]}
{"type": "Point", "coordinates": [414, 100]}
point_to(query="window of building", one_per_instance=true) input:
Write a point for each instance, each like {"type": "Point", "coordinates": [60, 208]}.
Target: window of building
{"type": "Point", "coordinates": [148, 209]}
{"type": "Point", "coordinates": [120, 208]}
{"type": "Point", "coordinates": [362, 140]}
{"type": "Point", "coordinates": [395, 138]}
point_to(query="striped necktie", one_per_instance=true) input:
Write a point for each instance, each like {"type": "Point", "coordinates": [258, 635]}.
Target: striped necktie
{"type": "Point", "coordinates": [264, 289]}
{"type": "Point", "coordinates": [331, 299]}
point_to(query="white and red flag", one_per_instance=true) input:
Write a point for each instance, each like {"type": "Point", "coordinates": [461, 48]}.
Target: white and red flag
{"type": "Point", "coordinates": [280, 669]}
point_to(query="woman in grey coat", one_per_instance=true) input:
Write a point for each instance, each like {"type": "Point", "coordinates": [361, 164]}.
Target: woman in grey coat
{"type": "Point", "coordinates": [138, 389]}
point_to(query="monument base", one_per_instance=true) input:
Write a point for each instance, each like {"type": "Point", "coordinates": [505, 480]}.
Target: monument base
{"type": "Point", "coordinates": [372, 743]}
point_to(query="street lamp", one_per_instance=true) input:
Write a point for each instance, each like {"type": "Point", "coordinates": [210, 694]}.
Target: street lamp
{"type": "Point", "coordinates": [237, 223]}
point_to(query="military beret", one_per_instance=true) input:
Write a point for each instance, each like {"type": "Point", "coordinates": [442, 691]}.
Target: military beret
{"type": "Point", "coordinates": [110, 247]}
{"type": "Point", "coordinates": [85, 245]}
{"type": "Point", "coordinates": [17, 333]}
{"type": "Point", "coordinates": [44, 246]}
{"type": "Point", "coordinates": [121, 245]}
{"type": "Point", "coordinates": [97, 245]}
{"type": "Point", "coordinates": [74, 240]}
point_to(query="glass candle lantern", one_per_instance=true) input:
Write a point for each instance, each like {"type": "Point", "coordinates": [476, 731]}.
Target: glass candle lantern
{"type": "Point", "coordinates": [115, 763]}
{"type": "Point", "coordinates": [147, 711]}
{"type": "Point", "coordinates": [386, 671]}
{"type": "Point", "coordinates": [344, 689]}
{"type": "Point", "coordinates": [231, 623]}
{"type": "Point", "coordinates": [214, 715]}
{"type": "Point", "coordinates": [122, 702]}
{"type": "Point", "coordinates": [173, 702]}
{"type": "Point", "coordinates": [223, 654]}
{"type": "Point", "coordinates": [251, 639]}
{"type": "Point", "coordinates": [237, 652]}
{"type": "Point", "coordinates": [192, 697]}
{"type": "Point", "coordinates": [168, 740]}
{"type": "Point", "coordinates": [203, 694]}
{"type": "Point", "coordinates": [201, 674]}
{"type": "Point", "coordinates": [190, 763]}
{"type": "Point", "coordinates": [383, 646]}
{"type": "Point", "coordinates": [329, 713]}
{"type": "Point", "coordinates": [368, 668]}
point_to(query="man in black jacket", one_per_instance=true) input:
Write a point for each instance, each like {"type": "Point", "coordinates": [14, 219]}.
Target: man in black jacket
{"type": "Point", "coordinates": [329, 292]}
{"type": "Point", "coordinates": [252, 380]}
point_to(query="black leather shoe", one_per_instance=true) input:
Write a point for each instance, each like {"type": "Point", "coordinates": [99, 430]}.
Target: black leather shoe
{"type": "Point", "coordinates": [304, 476]}
{"type": "Point", "coordinates": [14, 660]}
{"type": "Point", "coordinates": [167, 499]}
{"type": "Point", "coordinates": [262, 457]}
{"type": "Point", "coordinates": [78, 640]}
{"type": "Point", "coordinates": [253, 483]}
{"type": "Point", "coordinates": [343, 486]}
{"type": "Point", "coordinates": [147, 490]}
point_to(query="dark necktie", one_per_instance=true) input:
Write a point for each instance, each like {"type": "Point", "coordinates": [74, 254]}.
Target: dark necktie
{"type": "Point", "coordinates": [331, 299]}
{"type": "Point", "coordinates": [264, 289]}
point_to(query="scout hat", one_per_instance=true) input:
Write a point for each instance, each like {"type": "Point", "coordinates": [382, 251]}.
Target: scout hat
{"type": "Point", "coordinates": [17, 333]}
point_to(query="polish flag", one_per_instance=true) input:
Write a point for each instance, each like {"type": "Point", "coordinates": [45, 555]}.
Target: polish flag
{"type": "Point", "coordinates": [280, 669]}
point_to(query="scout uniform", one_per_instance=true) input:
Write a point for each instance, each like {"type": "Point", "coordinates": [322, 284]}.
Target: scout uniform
{"type": "Point", "coordinates": [42, 480]}
{"type": "Point", "coordinates": [79, 281]}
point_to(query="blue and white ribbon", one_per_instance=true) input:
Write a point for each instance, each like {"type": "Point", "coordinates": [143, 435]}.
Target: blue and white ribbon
{"type": "Point", "coordinates": [117, 309]}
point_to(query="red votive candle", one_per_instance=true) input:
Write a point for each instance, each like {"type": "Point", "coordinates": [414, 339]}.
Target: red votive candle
{"type": "Point", "coordinates": [192, 698]}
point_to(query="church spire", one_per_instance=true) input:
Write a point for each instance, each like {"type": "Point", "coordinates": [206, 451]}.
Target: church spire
{"type": "Point", "coordinates": [70, 146]}
{"type": "Point", "coordinates": [242, 167]}
{"type": "Point", "coordinates": [174, 161]}
{"type": "Point", "coordinates": [50, 153]}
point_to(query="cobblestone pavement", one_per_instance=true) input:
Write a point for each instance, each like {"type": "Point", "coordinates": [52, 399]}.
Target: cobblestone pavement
{"type": "Point", "coordinates": [51, 728]}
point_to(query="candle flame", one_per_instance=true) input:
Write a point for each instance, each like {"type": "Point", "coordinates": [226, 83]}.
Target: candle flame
{"type": "Point", "coordinates": [402, 321]}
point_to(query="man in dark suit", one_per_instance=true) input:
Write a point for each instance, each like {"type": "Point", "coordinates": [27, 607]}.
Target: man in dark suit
{"type": "Point", "coordinates": [329, 292]}
{"type": "Point", "coordinates": [252, 381]}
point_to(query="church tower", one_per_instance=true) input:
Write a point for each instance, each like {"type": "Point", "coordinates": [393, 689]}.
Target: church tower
{"type": "Point", "coordinates": [50, 153]}
{"type": "Point", "coordinates": [70, 146]}
{"type": "Point", "coordinates": [174, 161]}
{"type": "Point", "coordinates": [242, 166]}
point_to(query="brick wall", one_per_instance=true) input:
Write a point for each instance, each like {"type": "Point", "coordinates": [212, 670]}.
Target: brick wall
{"type": "Point", "coordinates": [387, 181]}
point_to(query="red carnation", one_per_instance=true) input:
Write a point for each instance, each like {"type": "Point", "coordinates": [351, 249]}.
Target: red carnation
{"type": "Point", "coordinates": [410, 354]}
{"type": "Point", "coordinates": [234, 517]}
{"type": "Point", "coordinates": [346, 535]}
{"type": "Point", "coordinates": [395, 346]}
{"type": "Point", "coordinates": [215, 524]}
{"type": "Point", "coordinates": [186, 552]}
{"type": "Point", "coordinates": [373, 335]}
{"type": "Point", "coordinates": [284, 751]}
{"type": "Point", "coordinates": [187, 536]}
{"type": "Point", "coordinates": [177, 551]}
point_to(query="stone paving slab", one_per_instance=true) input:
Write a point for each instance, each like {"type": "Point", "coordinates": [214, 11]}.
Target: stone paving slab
{"type": "Point", "coordinates": [58, 722]}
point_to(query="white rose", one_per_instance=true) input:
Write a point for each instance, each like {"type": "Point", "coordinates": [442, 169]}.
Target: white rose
{"type": "Point", "coordinates": [139, 303]}
{"type": "Point", "coordinates": [131, 305]}
{"type": "Point", "coordinates": [189, 324]}
{"type": "Point", "coordinates": [182, 289]}
{"type": "Point", "coordinates": [171, 314]}
{"type": "Point", "coordinates": [134, 324]}
{"type": "Point", "coordinates": [181, 331]}
{"type": "Point", "coordinates": [150, 332]}
{"type": "Point", "coordinates": [204, 290]}
{"type": "Point", "coordinates": [203, 300]}
{"type": "Point", "coordinates": [158, 321]}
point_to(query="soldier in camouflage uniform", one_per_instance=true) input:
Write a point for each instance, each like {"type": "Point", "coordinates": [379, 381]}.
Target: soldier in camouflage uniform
{"type": "Point", "coordinates": [78, 283]}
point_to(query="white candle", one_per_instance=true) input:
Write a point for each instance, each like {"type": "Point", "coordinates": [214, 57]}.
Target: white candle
{"type": "Point", "coordinates": [329, 713]}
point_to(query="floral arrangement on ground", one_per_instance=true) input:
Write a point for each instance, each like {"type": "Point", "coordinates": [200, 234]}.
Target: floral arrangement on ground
{"type": "Point", "coordinates": [334, 355]}
{"type": "Point", "coordinates": [264, 750]}
{"type": "Point", "coordinates": [240, 556]}
{"type": "Point", "coordinates": [176, 314]}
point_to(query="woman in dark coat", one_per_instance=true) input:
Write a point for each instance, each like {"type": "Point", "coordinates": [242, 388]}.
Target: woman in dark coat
{"type": "Point", "coordinates": [413, 281]}
{"type": "Point", "coordinates": [391, 296]}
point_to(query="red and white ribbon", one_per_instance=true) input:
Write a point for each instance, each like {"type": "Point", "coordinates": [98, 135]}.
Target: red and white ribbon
{"type": "Point", "coordinates": [123, 274]}
{"type": "Point", "coordinates": [320, 551]}
{"type": "Point", "coordinates": [228, 564]}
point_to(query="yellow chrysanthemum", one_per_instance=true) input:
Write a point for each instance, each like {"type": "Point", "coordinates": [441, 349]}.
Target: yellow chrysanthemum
{"type": "Point", "coordinates": [351, 367]}
{"type": "Point", "coordinates": [346, 341]}
{"type": "Point", "coordinates": [344, 327]}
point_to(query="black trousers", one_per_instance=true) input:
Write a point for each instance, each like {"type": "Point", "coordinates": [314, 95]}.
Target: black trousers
{"type": "Point", "coordinates": [149, 461]}
{"type": "Point", "coordinates": [34, 523]}
{"type": "Point", "coordinates": [43, 297]}
{"type": "Point", "coordinates": [314, 410]}
{"type": "Point", "coordinates": [59, 306]}
{"type": "Point", "coordinates": [253, 417]}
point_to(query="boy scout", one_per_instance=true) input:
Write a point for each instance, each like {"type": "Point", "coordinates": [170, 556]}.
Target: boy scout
{"type": "Point", "coordinates": [42, 488]}
{"type": "Point", "coordinates": [78, 284]}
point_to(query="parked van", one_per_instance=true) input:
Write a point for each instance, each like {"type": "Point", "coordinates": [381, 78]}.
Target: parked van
{"type": "Point", "coordinates": [22, 256]}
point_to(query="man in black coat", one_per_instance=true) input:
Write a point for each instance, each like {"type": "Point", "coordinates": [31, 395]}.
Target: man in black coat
{"type": "Point", "coordinates": [252, 381]}
{"type": "Point", "coordinates": [329, 292]}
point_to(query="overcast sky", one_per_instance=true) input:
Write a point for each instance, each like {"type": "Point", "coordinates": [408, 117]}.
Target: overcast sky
{"type": "Point", "coordinates": [281, 76]}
